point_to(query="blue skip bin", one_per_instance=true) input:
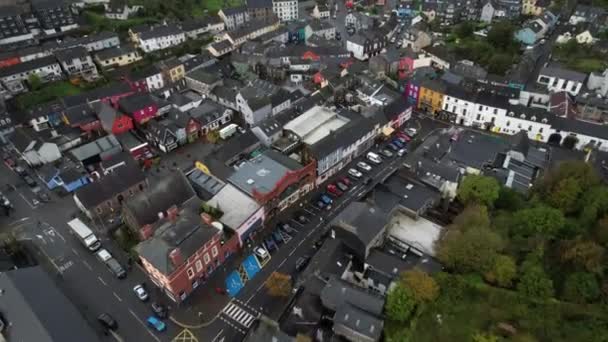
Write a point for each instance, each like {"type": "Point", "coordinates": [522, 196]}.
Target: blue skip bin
{"type": "Point", "coordinates": [251, 266]}
{"type": "Point", "coordinates": [233, 284]}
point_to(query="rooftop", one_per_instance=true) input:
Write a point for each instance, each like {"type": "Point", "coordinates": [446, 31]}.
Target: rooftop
{"type": "Point", "coordinates": [338, 292]}
{"type": "Point", "coordinates": [236, 205]}
{"type": "Point", "coordinates": [315, 124]}
{"type": "Point", "coordinates": [97, 147]}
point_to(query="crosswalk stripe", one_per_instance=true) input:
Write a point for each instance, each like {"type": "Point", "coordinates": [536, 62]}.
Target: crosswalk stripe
{"type": "Point", "coordinates": [232, 310]}
{"type": "Point", "coordinates": [239, 316]}
{"type": "Point", "coordinates": [248, 321]}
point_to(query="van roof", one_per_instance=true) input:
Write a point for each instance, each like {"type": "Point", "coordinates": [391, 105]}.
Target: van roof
{"type": "Point", "coordinates": [104, 254]}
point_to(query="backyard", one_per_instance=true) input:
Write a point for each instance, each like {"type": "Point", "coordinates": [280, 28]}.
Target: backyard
{"type": "Point", "coordinates": [46, 93]}
{"type": "Point", "coordinates": [580, 57]}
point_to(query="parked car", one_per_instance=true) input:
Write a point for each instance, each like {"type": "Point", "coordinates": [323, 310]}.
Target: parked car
{"type": "Point", "coordinates": [367, 180]}
{"type": "Point", "coordinates": [397, 143]}
{"type": "Point", "coordinates": [320, 204]}
{"type": "Point", "coordinates": [343, 187]}
{"type": "Point", "coordinates": [30, 181]}
{"type": "Point", "coordinates": [141, 292]}
{"type": "Point", "coordinates": [402, 140]}
{"type": "Point", "coordinates": [277, 237]}
{"type": "Point", "coordinates": [302, 262]}
{"type": "Point", "coordinates": [20, 170]}
{"type": "Point", "coordinates": [261, 252]}
{"type": "Point", "coordinates": [9, 162]}
{"type": "Point", "coordinates": [364, 166]}
{"type": "Point", "coordinates": [346, 181]}
{"type": "Point", "coordinates": [411, 132]}
{"type": "Point", "coordinates": [338, 36]}
{"type": "Point", "coordinates": [401, 152]}
{"type": "Point", "coordinates": [44, 197]}
{"type": "Point", "coordinates": [116, 269]}
{"type": "Point", "coordinates": [270, 244]}
{"type": "Point", "coordinates": [374, 158]}
{"type": "Point", "coordinates": [393, 147]}
{"type": "Point", "coordinates": [333, 189]}
{"type": "Point", "coordinates": [404, 136]}
{"type": "Point", "coordinates": [354, 173]}
{"type": "Point", "coordinates": [288, 229]}
{"type": "Point", "coordinates": [107, 321]}
{"type": "Point", "coordinates": [326, 199]}
{"type": "Point", "coordinates": [386, 153]}
{"type": "Point", "coordinates": [159, 309]}
{"type": "Point", "coordinates": [156, 323]}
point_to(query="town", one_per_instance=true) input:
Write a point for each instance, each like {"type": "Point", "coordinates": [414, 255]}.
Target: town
{"type": "Point", "coordinates": [319, 170]}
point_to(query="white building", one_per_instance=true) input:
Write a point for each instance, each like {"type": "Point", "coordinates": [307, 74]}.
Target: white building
{"type": "Point", "coordinates": [46, 68]}
{"type": "Point", "coordinates": [558, 79]}
{"type": "Point", "coordinates": [76, 62]}
{"type": "Point", "coordinates": [598, 82]}
{"type": "Point", "coordinates": [158, 38]}
{"type": "Point", "coordinates": [234, 17]}
{"type": "Point", "coordinates": [286, 10]}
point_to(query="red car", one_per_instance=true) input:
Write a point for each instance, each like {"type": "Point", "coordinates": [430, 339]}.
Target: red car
{"type": "Point", "coordinates": [345, 180]}
{"type": "Point", "coordinates": [404, 136]}
{"type": "Point", "coordinates": [333, 189]}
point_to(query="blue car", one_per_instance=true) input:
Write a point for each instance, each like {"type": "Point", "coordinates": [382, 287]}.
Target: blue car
{"type": "Point", "coordinates": [398, 143]}
{"type": "Point", "coordinates": [270, 244]}
{"type": "Point", "coordinates": [393, 147]}
{"type": "Point", "coordinates": [156, 323]}
{"type": "Point", "coordinates": [277, 237]}
{"type": "Point", "coordinates": [326, 199]}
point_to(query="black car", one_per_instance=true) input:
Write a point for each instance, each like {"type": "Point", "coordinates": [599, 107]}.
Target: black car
{"type": "Point", "coordinates": [30, 181]}
{"type": "Point", "coordinates": [44, 197]}
{"type": "Point", "coordinates": [343, 187]}
{"type": "Point", "coordinates": [107, 321]}
{"type": "Point", "coordinates": [302, 262]}
{"type": "Point", "coordinates": [338, 36]}
{"type": "Point", "coordinates": [20, 170]}
{"type": "Point", "coordinates": [159, 309]}
{"type": "Point", "coordinates": [367, 180]}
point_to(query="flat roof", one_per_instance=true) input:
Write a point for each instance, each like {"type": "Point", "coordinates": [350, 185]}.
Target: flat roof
{"type": "Point", "coordinates": [420, 234]}
{"type": "Point", "coordinates": [261, 173]}
{"type": "Point", "coordinates": [235, 204]}
{"type": "Point", "coordinates": [315, 124]}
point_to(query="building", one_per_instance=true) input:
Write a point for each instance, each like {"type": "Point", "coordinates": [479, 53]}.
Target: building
{"type": "Point", "coordinates": [195, 28]}
{"type": "Point", "coordinates": [259, 9]}
{"type": "Point", "coordinates": [105, 196]}
{"type": "Point", "coordinates": [14, 28]}
{"type": "Point", "coordinates": [320, 11]}
{"type": "Point", "coordinates": [234, 17]}
{"type": "Point", "coordinates": [491, 10]}
{"type": "Point", "coordinates": [202, 81]}
{"type": "Point", "coordinates": [14, 76]}
{"type": "Point", "coordinates": [599, 83]}
{"type": "Point", "coordinates": [154, 38]}
{"type": "Point", "coordinates": [536, 29]}
{"type": "Point", "coordinates": [430, 98]}
{"type": "Point", "coordinates": [32, 149]}
{"type": "Point", "coordinates": [25, 320]}
{"type": "Point", "coordinates": [586, 14]}
{"type": "Point", "coordinates": [323, 28]}
{"type": "Point", "coordinates": [93, 42]}
{"type": "Point", "coordinates": [117, 57]}
{"type": "Point", "coordinates": [147, 79]}
{"type": "Point", "coordinates": [172, 70]}
{"type": "Point", "coordinates": [254, 102]}
{"type": "Point", "coordinates": [77, 63]}
{"type": "Point", "coordinates": [416, 37]}
{"type": "Point", "coordinates": [183, 249]}
{"type": "Point", "coordinates": [119, 10]}
{"type": "Point", "coordinates": [209, 116]}
{"type": "Point", "coordinates": [54, 16]}
{"type": "Point", "coordinates": [365, 44]}
{"type": "Point", "coordinates": [358, 21]}
{"type": "Point", "coordinates": [556, 78]}
{"type": "Point", "coordinates": [534, 7]}
{"type": "Point", "coordinates": [112, 121]}
{"type": "Point", "coordinates": [141, 107]}
{"type": "Point", "coordinates": [286, 10]}
{"type": "Point", "coordinates": [96, 151]}
{"type": "Point", "coordinates": [69, 179]}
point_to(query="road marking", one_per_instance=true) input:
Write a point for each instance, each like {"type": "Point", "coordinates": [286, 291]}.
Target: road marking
{"type": "Point", "coordinates": [87, 265]}
{"type": "Point", "coordinates": [232, 325]}
{"type": "Point", "coordinates": [217, 336]}
{"type": "Point", "coordinates": [75, 252]}
{"type": "Point", "coordinates": [117, 297]}
{"type": "Point", "coordinates": [144, 325]}
{"type": "Point", "coordinates": [25, 200]}
{"type": "Point", "coordinates": [50, 259]}
{"type": "Point", "coordinates": [18, 221]}
{"type": "Point", "coordinates": [101, 280]}
{"type": "Point", "coordinates": [116, 336]}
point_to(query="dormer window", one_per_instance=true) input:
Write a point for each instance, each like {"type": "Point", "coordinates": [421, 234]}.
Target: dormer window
{"type": "Point", "coordinates": [511, 114]}
{"type": "Point", "coordinates": [533, 118]}
{"type": "Point", "coordinates": [523, 116]}
{"type": "Point", "coordinates": [544, 120]}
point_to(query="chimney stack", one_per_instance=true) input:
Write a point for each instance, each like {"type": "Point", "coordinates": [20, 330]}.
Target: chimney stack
{"type": "Point", "coordinates": [146, 232]}
{"type": "Point", "coordinates": [176, 257]}
{"type": "Point", "coordinates": [172, 213]}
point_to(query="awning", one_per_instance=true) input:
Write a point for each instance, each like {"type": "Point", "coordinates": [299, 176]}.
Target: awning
{"type": "Point", "coordinates": [388, 131]}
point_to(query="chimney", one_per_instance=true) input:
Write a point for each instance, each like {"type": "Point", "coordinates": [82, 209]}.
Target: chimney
{"type": "Point", "coordinates": [176, 257]}
{"type": "Point", "coordinates": [146, 232]}
{"type": "Point", "coordinates": [207, 218]}
{"type": "Point", "coordinates": [172, 212]}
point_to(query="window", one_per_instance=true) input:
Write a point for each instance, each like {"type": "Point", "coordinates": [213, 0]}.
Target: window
{"type": "Point", "coordinates": [214, 251]}
{"type": "Point", "coordinates": [190, 273]}
{"type": "Point", "coordinates": [199, 265]}
{"type": "Point", "coordinates": [508, 123]}
{"type": "Point", "coordinates": [206, 258]}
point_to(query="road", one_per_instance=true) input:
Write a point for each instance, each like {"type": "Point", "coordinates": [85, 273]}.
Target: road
{"type": "Point", "coordinates": [84, 279]}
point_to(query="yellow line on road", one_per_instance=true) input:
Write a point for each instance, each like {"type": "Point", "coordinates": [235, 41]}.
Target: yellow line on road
{"type": "Point", "coordinates": [185, 336]}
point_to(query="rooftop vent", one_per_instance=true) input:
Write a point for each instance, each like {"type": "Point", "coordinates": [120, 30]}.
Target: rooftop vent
{"type": "Point", "coordinates": [250, 181]}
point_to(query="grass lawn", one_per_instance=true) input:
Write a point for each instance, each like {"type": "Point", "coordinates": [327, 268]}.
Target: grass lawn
{"type": "Point", "coordinates": [587, 65]}
{"type": "Point", "coordinates": [466, 306]}
{"type": "Point", "coordinates": [46, 93]}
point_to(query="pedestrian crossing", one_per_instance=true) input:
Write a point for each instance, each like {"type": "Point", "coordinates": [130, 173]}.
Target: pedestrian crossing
{"type": "Point", "coordinates": [239, 315]}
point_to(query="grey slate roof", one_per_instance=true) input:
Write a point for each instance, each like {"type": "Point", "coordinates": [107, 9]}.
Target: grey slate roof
{"type": "Point", "coordinates": [108, 186]}
{"type": "Point", "coordinates": [255, 4]}
{"type": "Point", "coordinates": [357, 322]}
{"type": "Point", "coordinates": [263, 172]}
{"type": "Point", "coordinates": [114, 52]}
{"type": "Point", "coordinates": [99, 146]}
{"type": "Point", "coordinates": [27, 66]}
{"type": "Point", "coordinates": [160, 31]}
{"type": "Point", "coordinates": [559, 72]}
{"type": "Point", "coordinates": [34, 309]}
{"type": "Point", "coordinates": [338, 292]}
{"type": "Point", "coordinates": [68, 55]}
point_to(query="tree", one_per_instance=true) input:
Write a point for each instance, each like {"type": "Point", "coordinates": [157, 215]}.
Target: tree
{"type": "Point", "coordinates": [582, 172]}
{"type": "Point", "coordinates": [565, 195]}
{"type": "Point", "coordinates": [587, 255]}
{"type": "Point", "coordinates": [499, 63]}
{"type": "Point", "coordinates": [34, 81]}
{"type": "Point", "coordinates": [570, 142]}
{"type": "Point", "coordinates": [464, 30]}
{"type": "Point", "coordinates": [400, 303]}
{"type": "Point", "coordinates": [421, 285]}
{"type": "Point", "coordinates": [503, 271]}
{"type": "Point", "coordinates": [470, 250]}
{"type": "Point", "coordinates": [534, 282]}
{"type": "Point", "coordinates": [542, 221]}
{"type": "Point", "coordinates": [213, 136]}
{"type": "Point", "coordinates": [509, 199]}
{"type": "Point", "coordinates": [601, 231]}
{"type": "Point", "coordinates": [501, 35]}
{"type": "Point", "coordinates": [278, 284]}
{"type": "Point", "coordinates": [473, 216]}
{"type": "Point", "coordinates": [479, 190]}
{"type": "Point", "coordinates": [581, 287]}
{"type": "Point", "coordinates": [484, 337]}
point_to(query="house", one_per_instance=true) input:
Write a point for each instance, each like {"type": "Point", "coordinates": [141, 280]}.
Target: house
{"type": "Point", "coordinates": [112, 121]}
{"type": "Point", "coordinates": [45, 116]}
{"type": "Point", "coordinates": [82, 116]}
{"type": "Point", "coordinates": [320, 11]}
{"type": "Point", "coordinates": [136, 147]}
{"type": "Point", "coordinates": [234, 17]}
{"type": "Point", "coordinates": [210, 116]}
{"type": "Point", "coordinates": [286, 10]}
{"type": "Point", "coordinates": [181, 251]}
{"type": "Point", "coordinates": [154, 38]}
{"type": "Point", "coordinates": [146, 79]}
{"type": "Point", "coordinates": [185, 101]}
{"type": "Point", "coordinates": [96, 151]}
{"type": "Point", "coordinates": [110, 94]}
{"type": "Point", "coordinates": [77, 63]}
{"type": "Point", "coordinates": [490, 10]}
{"type": "Point", "coordinates": [431, 94]}
{"type": "Point", "coordinates": [32, 149]}
{"type": "Point", "coordinates": [254, 103]}
{"type": "Point", "coordinates": [172, 70]}
{"type": "Point", "coordinates": [24, 289]}
{"type": "Point", "coordinates": [141, 107]}
{"type": "Point", "coordinates": [68, 178]}
{"type": "Point", "coordinates": [54, 16]}
{"type": "Point", "coordinates": [15, 29]}
{"type": "Point", "coordinates": [592, 108]}
{"type": "Point", "coordinates": [259, 9]}
{"type": "Point", "coordinates": [105, 196]}
{"type": "Point", "coordinates": [323, 28]}
{"type": "Point", "coordinates": [598, 82]}
{"type": "Point", "coordinates": [556, 78]}
{"type": "Point", "coordinates": [117, 56]}
{"type": "Point", "coordinates": [416, 37]}
{"type": "Point", "coordinates": [365, 44]}
{"type": "Point", "coordinates": [536, 29]}
{"type": "Point", "coordinates": [586, 14]}
{"type": "Point", "coordinates": [164, 134]}
{"type": "Point", "coordinates": [195, 28]}
{"type": "Point", "coordinates": [358, 21]}
{"type": "Point", "coordinates": [92, 42]}
{"type": "Point", "coordinates": [220, 48]}
{"type": "Point", "coordinates": [13, 77]}
{"type": "Point", "coordinates": [119, 10]}
{"type": "Point", "coordinates": [534, 7]}
{"type": "Point", "coordinates": [202, 60]}
{"type": "Point", "coordinates": [203, 81]}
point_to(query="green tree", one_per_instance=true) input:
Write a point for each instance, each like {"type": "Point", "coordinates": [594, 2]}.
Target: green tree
{"type": "Point", "coordinates": [34, 81]}
{"type": "Point", "coordinates": [464, 30]}
{"type": "Point", "coordinates": [565, 195]}
{"type": "Point", "coordinates": [587, 255]}
{"type": "Point", "coordinates": [542, 221]}
{"type": "Point", "coordinates": [581, 287]}
{"type": "Point", "coordinates": [503, 271]}
{"type": "Point", "coordinates": [400, 303]}
{"type": "Point", "coordinates": [479, 190]}
{"type": "Point", "coordinates": [213, 137]}
{"type": "Point", "coordinates": [499, 63]}
{"type": "Point", "coordinates": [580, 171]}
{"type": "Point", "coordinates": [473, 216]}
{"type": "Point", "coordinates": [469, 250]}
{"type": "Point", "coordinates": [501, 35]}
{"type": "Point", "coordinates": [484, 337]}
{"type": "Point", "coordinates": [421, 285]}
{"type": "Point", "coordinates": [534, 282]}
{"type": "Point", "coordinates": [509, 199]}
{"type": "Point", "coordinates": [601, 231]}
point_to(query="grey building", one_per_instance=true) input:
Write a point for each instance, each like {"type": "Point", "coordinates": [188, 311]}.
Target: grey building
{"type": "Point", "coordinates": [76, 62]}
{"type": "Point", "coordinates": [12, 26]}
{"type": "Point", "coordinates": [53, 15]}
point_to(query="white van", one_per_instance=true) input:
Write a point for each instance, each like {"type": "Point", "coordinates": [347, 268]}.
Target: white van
{"type": "Point", "coordinates": [374, 158]}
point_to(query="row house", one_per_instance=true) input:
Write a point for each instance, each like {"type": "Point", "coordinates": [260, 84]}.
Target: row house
{"type": "Point", "coordinates": [259, 9]}
{"type": "Point", "coordinates": [154, 38]}
{"type": "Point", "coordinates": [46, 68]}
{"type": "Point", "coordinates": [203, 81]}
{"type": "Point", "coordinates": [117, 57]}
{"type": "Point", "coordinates": [587, 14]}
{"type": "Point", "coordinates": [220, 48]}
{"type": "Point", "coordinates": [365, 44]}
{"type": "Point", "coordinates": [54, 16]}
{"type": "Point", "coordinates": [195, 28]}
{"type": "Point", "coordinates": [430, 96]}
{"type": "Point", "coordinates": [234, 17]}
{"type": "Point", "coordinates": [210, 116]}
{"type": "Point", "coordinates": [118, 10]}
{"type": "Point", "coordinates": [147, 79]}
{"type": "Point", "coordinates": [13, 28]}
{"type": "Point", "coordinates": [93, 42]}
{"type": "Point", "coordinates": [109, 94]}
{"type": "Point", "coordinates": [164, 134]}
{"type": "Point", "coordinates": [112, 121]}
{"type": "Point", "coordinates": [83, 117]}
{"type": "Point", "coordinates": [77, 63]}
{"type": "Point", "coordinates": [141, 107]}
{"type": "Point", "coordinates": [323, 28]}
{"type": "Point", "coordinates": [534, 7]}
{"type": "Point", "coordinates": [172, 70]}
{"type": "Point", "coordinates": [286, 10]}
{"type": "Point", "coordinates": [556, 78]}
{"type": "Point", "coordinates": [251, 30]}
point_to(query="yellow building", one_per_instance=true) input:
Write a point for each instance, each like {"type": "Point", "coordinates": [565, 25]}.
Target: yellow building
{"type": "Point", "coordinates": [173, 70]}
{"type": "Point", "coordinates": [430, 98]}
{"type": "Point", "coordinates": [534, 7]}
{"type": "Point", "coordinates": [117, 57]}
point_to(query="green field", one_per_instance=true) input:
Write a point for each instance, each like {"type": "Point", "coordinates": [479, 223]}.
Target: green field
{"type": "Point", "coordinates": [46, 93]}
